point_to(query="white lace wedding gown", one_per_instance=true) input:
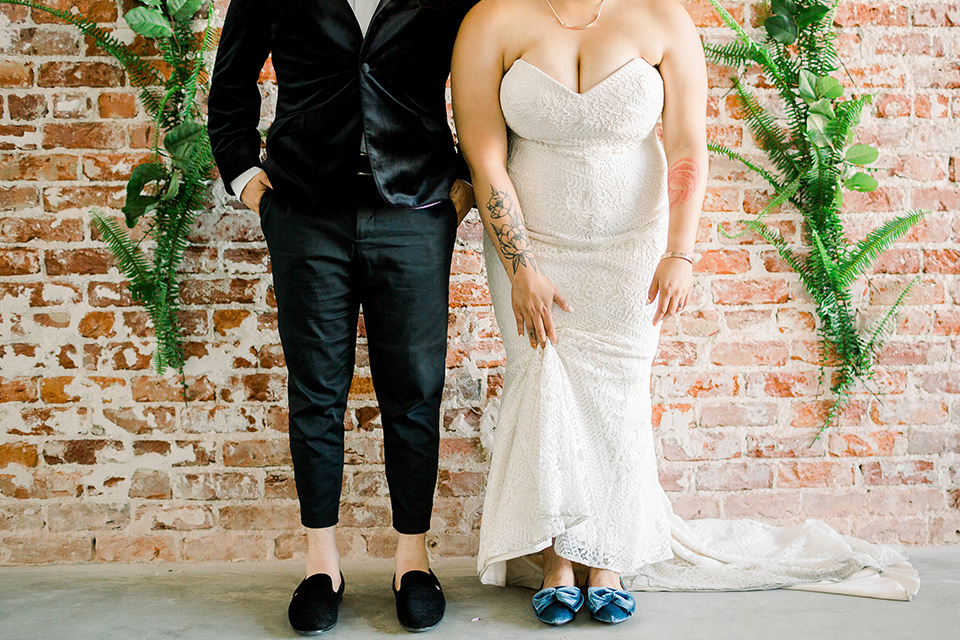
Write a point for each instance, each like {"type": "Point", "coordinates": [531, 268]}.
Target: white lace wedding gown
{"type": "Point", "coordinates": [573, 451]}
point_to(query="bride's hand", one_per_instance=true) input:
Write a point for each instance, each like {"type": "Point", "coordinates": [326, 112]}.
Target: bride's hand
{"type": "Point", "coordinates": [673, 280]}
{"type": "Point", "coordinates": [533, 297]}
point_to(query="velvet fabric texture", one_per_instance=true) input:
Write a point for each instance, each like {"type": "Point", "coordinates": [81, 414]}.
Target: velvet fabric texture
{"type": "Point", "coordinates": [335, 85]}
{"type": "Point", "coordinates": [420, 601]}
{"type": "Point", "coordinates": [315, 605]}
{"type": "Point", "coordinates": [557, 605]}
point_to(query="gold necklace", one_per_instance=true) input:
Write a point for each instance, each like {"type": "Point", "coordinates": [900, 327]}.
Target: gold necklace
{"type": "Point", "coordinates": [570, 26]}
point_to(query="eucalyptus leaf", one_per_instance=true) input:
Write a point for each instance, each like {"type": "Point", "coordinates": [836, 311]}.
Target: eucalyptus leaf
{"type": "Point", "coordinates": [181, 139]}
{"type": "Point", "coordinates": [151, 3]}
{"type": "Point", "coordinates": [828, 87]}
{"type": "Point", "coordinates": [806, 86]}
{"type": "Point", "coordinates": [183, 10]}
{"type": "Point", "coordinates": [824, 108]}
{"type": "Point", "coordinates": [783, 7]}
{"type": "Point", "coordinates": [811, 15]}
{"type": "Point", "coordinates": [781, 28]}
{"type": "Point", "coordinates": [816, 129]}
{"type": "Point", "coordinates": [860, 181]}
{"type": "Point", "coordinates": [173, 187]}
{"type": "Point", "coordinates": [861, 154]}
{"type": "Point", "coordinates": [148, 22]}
{"type": "Point", "coordinates": [137, 203]}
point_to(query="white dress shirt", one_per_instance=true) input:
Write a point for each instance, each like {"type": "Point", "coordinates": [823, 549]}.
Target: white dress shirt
{"type": "Point", "coordinates": [363, 10]}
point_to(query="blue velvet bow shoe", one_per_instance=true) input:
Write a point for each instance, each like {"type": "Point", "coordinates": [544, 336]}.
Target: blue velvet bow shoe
{"type": "Point", "coordinates": [610, 605]}
{"type": "Point", "coordinates": [557, 605]}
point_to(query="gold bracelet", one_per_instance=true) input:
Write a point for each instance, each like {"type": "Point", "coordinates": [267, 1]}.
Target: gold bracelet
{"type": "Point", "coordinates": [678, 254]}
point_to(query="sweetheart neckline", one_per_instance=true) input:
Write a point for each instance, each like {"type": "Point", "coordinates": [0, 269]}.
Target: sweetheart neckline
{"type": "Point", "coordinates": [583, 93]}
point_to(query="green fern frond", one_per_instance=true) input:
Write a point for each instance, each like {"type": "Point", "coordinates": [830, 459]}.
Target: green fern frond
{"type": "Point", "coordinates": [875, 243]}
{"type": "Point", "coordinates": [734, 155]}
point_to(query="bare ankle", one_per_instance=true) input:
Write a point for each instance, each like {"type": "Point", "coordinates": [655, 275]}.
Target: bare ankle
{"type": "Point", "coordinates": [603, 578]}
{"type": "Point", "coordinates": [411, 554]}
{"type": "Point", "coordinates": [557, 570]}
{"type": "Point", "coordinates": [322, 553]}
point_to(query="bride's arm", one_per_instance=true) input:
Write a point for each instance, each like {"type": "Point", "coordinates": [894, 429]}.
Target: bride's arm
{"type": "Point", "coordinates": [685, 142]}
{"type": "Point", "coordinates": [476, 71]}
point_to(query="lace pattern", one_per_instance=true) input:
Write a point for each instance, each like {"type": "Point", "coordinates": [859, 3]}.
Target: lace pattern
{"type": "Point", "coordinates": [572, 449]}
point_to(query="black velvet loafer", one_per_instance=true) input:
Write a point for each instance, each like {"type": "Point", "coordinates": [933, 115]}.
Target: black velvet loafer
{"type": "Point", "coordinates": [314, 605]}
{"type": "Point", "coordinates": [420, 602]}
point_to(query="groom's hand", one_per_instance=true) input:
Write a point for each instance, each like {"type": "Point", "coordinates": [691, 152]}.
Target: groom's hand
{"type": "Point", "coordinates": [254, 190]}
{"type": "Point", "coordinates": [462, 195]}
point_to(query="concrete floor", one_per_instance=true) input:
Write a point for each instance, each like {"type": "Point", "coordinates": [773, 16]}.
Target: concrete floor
{"type": "Point", "coordinates": [240, 601]}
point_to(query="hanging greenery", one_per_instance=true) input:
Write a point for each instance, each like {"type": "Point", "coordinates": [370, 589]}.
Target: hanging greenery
{"type": "Point", "coordinates": [169, 191]}
{"type": "Point", "coordinates": [815, 159]}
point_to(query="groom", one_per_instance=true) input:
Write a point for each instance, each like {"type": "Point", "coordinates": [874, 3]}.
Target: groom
{"type": "Point", "coordinates": [359, 197]}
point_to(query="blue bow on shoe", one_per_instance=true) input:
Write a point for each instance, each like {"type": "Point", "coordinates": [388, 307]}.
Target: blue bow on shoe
{"type": "Point", "coordinates": [610, 605]}
{"type": "Point", "coordinates": [557, 605]}
{"type": "Point", "coordinates": [569, 596]}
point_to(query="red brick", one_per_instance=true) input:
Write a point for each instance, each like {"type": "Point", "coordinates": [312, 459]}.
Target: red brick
{"type": "Point", "coordinates": [674, 354]}
{"type": "Point", "coordinates": [72, 105]}
{"type": "Point", "coordinates": [260, 517]}
{"type": "Point", "coordinates": [158, 517]}
{"type": "Point", "coordinates": [729, 414]}
{"type": "Point", "coordinates": [18, 453]}
{"type": "Point", "coordinates": [901, 44]}
{"type": "Point", "coordinates": [917, 167]}
{"type": "Point", "coordinates": [702, 445]}
{"type": "Point", "coordinates": [151, 389]}
{"type": "Point", "coordinates": [82, 135]}
{"type": "Point", "coordinates": [937, 15]}
{"type": "Point", "coordinates": [751, 291]}
{"type": "Point", "coordinates": [30, 106]}
{"type": "Point", "coordinates": [86, 452]}
{"type": "Point", "coordinates": [256, 453]}
{"type": "Point", "coordinates": [226, 485]}
{"type": "Point", "coordinates": [937, 199]}
{"type": "Point", "coordinates": [893, 106]}
{"type": "Point", "coordinates": [927, 106]}
{"type": "Point", "coordinates": [21, 229]}
{"type": "Point", "coordinates": [888, 472]}
{"type": "Point", "coordinates": [230, 291]}
{"type": "Point", "coordinates": [937, 75]}
{"type": "Point", "coordinates": [794, 475]}
{"type": "Point", "coordinates": [460, 483]}
{"type": "Point", "coordinates": [908, 411]}
{"type": "Point", "coordinates": [113, 547]}
{"type": "Point", "coordinates": [857, 15]}
{"type": "Point", "coordinates": [117, 105]}
{"type": "Point", "coordinates": [782, 384]}
{"type": "Point", "coordinates": [734, 476]}
{"type": "Point", "coordinates": [771, 446]}
{"type": "Point", "coordinates": [877, 443]}
{"type": "Point", "coordinates": [48, 166]}
{"type": "Point", "coordinates": [941, 261]}
{"type": "Point", "coordinates": [19, 261]}
{"type": "Point", "coordinates": [723, 262]}
{"type": "Point", "coordinates": [42, 547]}
{"type": "Point", "coordinates": [749, 353]}
{"type": "Point", "coordinates": [82, 516]}
{"type": "Point", "coordinates": [111, 166]}
{"type": "Point", "coordinates": [16, 74]}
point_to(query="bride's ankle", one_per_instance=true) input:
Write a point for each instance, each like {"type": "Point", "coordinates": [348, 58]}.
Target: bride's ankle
{"type": "Point", "coordinates": [557, 571]}
{"type": "Point", "coordinates": [603, 578]}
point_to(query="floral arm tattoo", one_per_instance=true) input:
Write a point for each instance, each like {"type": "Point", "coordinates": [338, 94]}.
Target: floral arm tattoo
{"type": "Point", "coordinates": [682, 181]}
{"type": "Point", "coordinates": [509, 230]}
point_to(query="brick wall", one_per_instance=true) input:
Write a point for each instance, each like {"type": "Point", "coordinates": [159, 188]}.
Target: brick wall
{"type": "Point", "coordinates": [99, 460]}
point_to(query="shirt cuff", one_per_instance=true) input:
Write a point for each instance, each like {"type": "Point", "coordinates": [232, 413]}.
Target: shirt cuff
{"type": "Point", "coordinates": [238, 183]}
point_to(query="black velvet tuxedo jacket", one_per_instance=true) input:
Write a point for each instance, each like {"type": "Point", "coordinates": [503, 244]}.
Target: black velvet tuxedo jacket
{"type": "Point", "coordinates": [335, 85]}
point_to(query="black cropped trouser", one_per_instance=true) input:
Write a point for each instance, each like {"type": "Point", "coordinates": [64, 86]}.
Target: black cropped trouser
{"type": "Point", "coordinates": [395, 264]}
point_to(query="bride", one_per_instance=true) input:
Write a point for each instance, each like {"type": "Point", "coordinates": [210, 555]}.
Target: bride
{"type": "Point", "coordinates": [590, 225]}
